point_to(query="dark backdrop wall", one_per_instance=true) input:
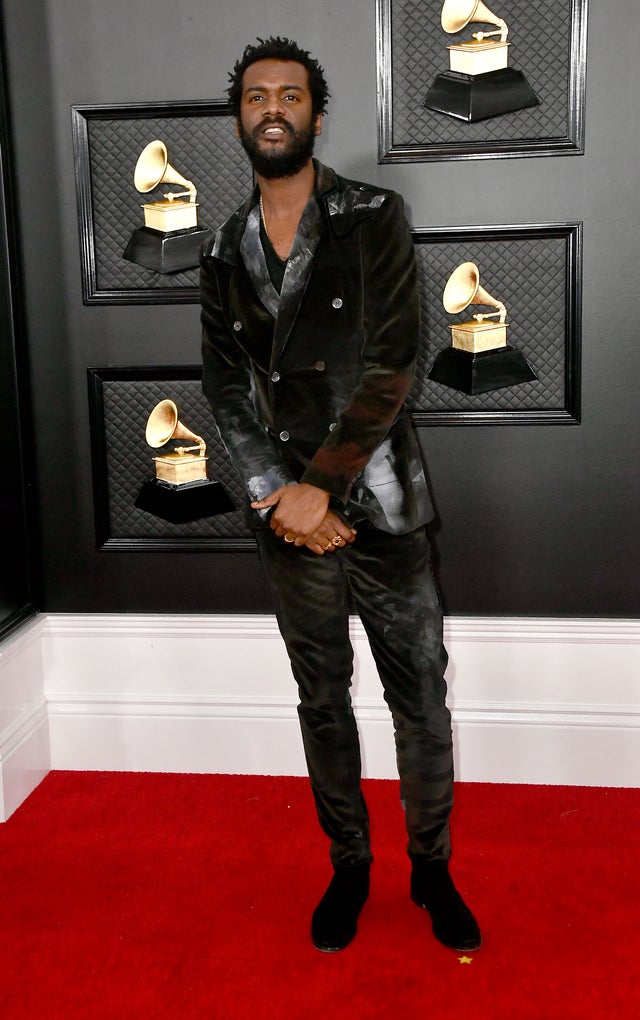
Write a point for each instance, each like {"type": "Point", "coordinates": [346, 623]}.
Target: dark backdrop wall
{"type": "Point", "coordinates": [533, 520]}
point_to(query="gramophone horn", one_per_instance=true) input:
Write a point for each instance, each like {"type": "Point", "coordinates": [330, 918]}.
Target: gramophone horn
{"type": "Point", "coordinates": [153, 168]}
{"type": "Point", "coordinates": [463, 288]}
{"type": "Point", "coordinates": [164, 424]}
{"type": "Point", "coordinates": [458, 13]}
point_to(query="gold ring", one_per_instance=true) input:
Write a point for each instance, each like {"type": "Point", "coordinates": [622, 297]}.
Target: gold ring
{"type": "Point", "coordinates": [328, 546]}
{"type": "Point", "coordinates": [287, 539]}
{"type": "Point", "coordinates": [336, 540]}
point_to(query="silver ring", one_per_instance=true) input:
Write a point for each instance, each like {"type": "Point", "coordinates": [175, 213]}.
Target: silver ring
{"type": "Point", "coordinates": [289, 540]}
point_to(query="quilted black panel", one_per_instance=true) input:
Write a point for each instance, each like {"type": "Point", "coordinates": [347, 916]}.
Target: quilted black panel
{"type": "Point", "coordinates": [202, 147]}
{"type": "Point", "coordinates": [540, 33]}
{"type": "Point", "coordinates": [529, 275]}
{"type": "Point", "coordinates": [127, 405]}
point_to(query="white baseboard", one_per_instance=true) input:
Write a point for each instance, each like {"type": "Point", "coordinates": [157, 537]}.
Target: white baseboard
{"type": "Point", "coordinates": [24, 727]}
{"type": "Point", "coordinates": [533, 700]}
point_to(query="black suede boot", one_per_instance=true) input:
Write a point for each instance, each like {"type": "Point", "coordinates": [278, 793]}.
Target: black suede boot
{"type": "Point", "coordinates": [335, 919]}
{"type": "Point", "coordinates": [432, 888]}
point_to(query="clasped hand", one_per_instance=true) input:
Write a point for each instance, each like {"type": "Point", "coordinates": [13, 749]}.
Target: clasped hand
{"type": "Point", "coordinates": [301, 516]}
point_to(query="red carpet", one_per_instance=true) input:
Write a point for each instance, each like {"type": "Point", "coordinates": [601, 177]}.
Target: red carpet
{"type": "Point", "coordinates": [153, 896]}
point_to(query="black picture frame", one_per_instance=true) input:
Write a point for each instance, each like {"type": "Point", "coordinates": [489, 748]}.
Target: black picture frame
{"type": "Point", "coordinates": [106, 143]}
{"type": "Point", "coordinates": [411, 47]}
{"type": "Point", "coordinates": [120, 399]}
{"type": "Point", "coordinates": [536, 269]}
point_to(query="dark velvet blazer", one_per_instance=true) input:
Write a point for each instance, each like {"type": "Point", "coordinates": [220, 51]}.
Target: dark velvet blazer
{"type": "Point", "coordinates": [310, 385]}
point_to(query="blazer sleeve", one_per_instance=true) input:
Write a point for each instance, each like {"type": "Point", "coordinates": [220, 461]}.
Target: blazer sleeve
{"type": "Point", "coordinates": [391, 319]}
{"type": "Point", "coordinates": [226, 383]}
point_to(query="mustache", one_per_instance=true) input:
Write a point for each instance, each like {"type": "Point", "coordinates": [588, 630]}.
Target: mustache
{"type": "Point", "coordinates": [271, 122]}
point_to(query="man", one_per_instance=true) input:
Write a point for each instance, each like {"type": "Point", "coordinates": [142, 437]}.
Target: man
{"type": "Point", "coordinates": [310, 333]}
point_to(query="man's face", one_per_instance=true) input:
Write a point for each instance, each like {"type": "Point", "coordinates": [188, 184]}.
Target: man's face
{"type": "Point", "coordinates": [276, 124]}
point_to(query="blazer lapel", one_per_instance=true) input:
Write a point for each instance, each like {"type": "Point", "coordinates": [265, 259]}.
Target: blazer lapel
{"type": "Point", "coordinates": [256, 264]}
{"type": "Point", "coordinates": [282, 307]}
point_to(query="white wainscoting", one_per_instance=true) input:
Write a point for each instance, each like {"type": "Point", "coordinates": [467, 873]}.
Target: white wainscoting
{"type": "Point", "coordinates": [24, 728]}
{"type": "Point", "coordinates": [533, 700]}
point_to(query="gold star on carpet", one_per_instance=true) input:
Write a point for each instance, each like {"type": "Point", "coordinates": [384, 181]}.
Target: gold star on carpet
{"type": "Point", "coordinates": [465, 959]}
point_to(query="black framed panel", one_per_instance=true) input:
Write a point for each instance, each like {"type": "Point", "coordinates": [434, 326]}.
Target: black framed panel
{"type": "Point", "coordinates": [547, 40]}
{"type": "Point", "coordinates": [536, 271]}
{"type": "Point", "coordinates": [107, 142]}
{"type": "Point", "coordinates": [120, 401]}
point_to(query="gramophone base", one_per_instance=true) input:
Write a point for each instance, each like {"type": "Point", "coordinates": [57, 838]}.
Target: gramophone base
{"type": "Point", "coordinates": [168, 252]}
{"type": "Point", "coordinates": [474, 97]}
{"type": "Point", "coordinates": [180, 504]}
{"type": "Point", "coordinates": [480, 373]}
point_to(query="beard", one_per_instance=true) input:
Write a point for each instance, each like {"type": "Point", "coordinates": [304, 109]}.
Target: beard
{"type": "Point", "coordinates": [289, 160]}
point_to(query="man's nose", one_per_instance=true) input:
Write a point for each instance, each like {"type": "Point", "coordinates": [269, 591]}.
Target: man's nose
{"type": "Point", "coordinates": [273, 106]}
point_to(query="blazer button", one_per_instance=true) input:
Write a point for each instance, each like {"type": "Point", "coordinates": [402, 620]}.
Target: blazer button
{"type": "Point", "coordinates": [284, 436]}
{"type": "Point", "coordinates": [332, 426]}
{"type": "Point", "coordinates": [337, 302]}
{"type": "Point", "coordinates": [275, 377]}
{"type": "Point", "coordinates": [320, 366]}
{"type": "Point", "coordinates": [237, 325]}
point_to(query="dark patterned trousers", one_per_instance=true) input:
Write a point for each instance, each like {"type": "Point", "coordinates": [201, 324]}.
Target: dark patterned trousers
{"type": "Point", "coordinates": [389, 580]}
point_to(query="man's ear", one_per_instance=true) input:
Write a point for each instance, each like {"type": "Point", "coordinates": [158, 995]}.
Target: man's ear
{"type": "Point", "coordinates": [317, 125]}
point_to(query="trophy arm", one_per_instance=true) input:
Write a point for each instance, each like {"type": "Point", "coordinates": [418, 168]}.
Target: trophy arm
{"type": "Point", "coordinates": [484, 298]}
{"type": "Point", "coordinates": [503, 31]}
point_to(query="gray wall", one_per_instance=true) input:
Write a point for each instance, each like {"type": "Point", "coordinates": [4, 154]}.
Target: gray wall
{"type": "Point", "coordinates": [533, 520]}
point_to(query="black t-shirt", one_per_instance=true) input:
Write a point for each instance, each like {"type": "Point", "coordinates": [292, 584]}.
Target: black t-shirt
{"type": "Point", "coordinates": [275, 265]}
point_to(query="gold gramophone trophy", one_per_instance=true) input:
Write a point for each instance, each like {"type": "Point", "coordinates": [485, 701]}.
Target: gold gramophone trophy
{"type": "Point", "coordinates": [479, 359]}
{"type": "Point", "coordinates": [181, 490]}
{"type": "Point", "coordinates": [171, 239]}
{"type": "Point", "coordinates": [479, 83]}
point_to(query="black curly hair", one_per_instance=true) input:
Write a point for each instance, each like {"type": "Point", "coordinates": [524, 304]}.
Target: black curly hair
{"type": "Point", "coordinates": [279, 48]}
